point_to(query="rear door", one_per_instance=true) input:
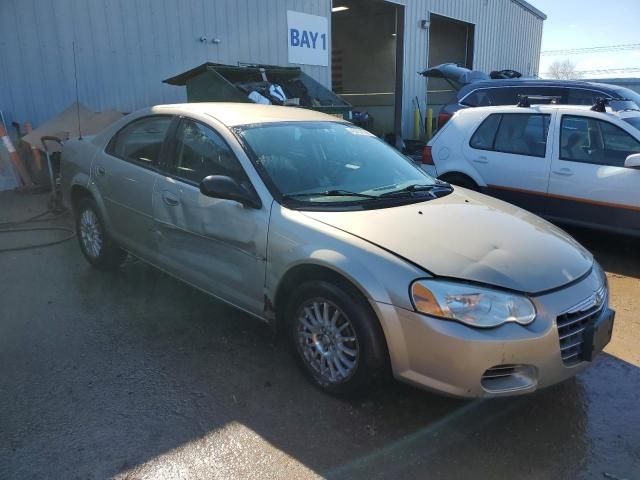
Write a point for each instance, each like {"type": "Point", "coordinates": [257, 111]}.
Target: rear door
{"type": "Point", "coordinates": [589, 183]}
{"type": "Point", "coordinates": [125, 174]}
{"type": "Point", "coordinates": [510, 152]}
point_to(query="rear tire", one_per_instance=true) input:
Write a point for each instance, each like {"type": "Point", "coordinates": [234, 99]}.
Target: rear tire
{"type": "Point", "coordinates": [460, 180]}
{"type": "Point", "coordinates": [96, 244]}
{"type": "Point", "coordinates": [336, 337]}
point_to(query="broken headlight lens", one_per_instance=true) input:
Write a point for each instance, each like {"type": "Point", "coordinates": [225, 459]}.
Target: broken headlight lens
{"type": "Point", "coordinates": [471, 305]}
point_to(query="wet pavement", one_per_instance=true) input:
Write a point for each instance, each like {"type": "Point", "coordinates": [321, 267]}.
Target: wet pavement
{"type": "Point", "coordinates": [135, 375]}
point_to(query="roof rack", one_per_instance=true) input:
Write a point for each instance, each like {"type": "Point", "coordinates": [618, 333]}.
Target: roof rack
{"type": "Point", "coordinates": [525, 100]}
{"type": "Point", "coordinates": [600, 105]}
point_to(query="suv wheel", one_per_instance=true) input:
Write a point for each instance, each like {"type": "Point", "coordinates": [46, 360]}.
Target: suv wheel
{"type": "Point", "coordinates": [336, 337]}
{"type": "Point", "coordinates": [97, 246]}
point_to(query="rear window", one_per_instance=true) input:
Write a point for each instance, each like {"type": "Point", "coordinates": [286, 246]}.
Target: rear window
{"type": "Point", "coordinates": [517, 133]}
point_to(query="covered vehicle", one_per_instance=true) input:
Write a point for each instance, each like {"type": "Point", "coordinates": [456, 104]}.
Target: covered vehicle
{"type": "Point", "coordinates": [367, 263]}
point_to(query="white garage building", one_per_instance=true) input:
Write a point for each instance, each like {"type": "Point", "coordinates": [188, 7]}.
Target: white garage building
{"type": "Point", "coordinates": [371, 50]}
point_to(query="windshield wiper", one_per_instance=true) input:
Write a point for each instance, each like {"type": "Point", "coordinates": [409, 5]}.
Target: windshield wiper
{"type": "Point", "coordinates": [410, 189]}
{"type": "Point", "coordinates": [327, 193]}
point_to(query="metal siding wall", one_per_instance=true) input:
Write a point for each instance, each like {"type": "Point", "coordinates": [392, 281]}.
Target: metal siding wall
{"type": "Point", "coordinates": [506, 36]}
{"type": "Point", "coordinates": [126, 48]}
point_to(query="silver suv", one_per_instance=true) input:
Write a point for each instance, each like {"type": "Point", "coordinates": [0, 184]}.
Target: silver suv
{"type": "Point", "coordinates": [369, 264]}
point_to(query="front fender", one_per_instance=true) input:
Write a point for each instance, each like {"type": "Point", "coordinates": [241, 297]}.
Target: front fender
{"type": "Point", "coordinates": [382, 277]}
{"type": "Point", "coordinates": [295, 239]}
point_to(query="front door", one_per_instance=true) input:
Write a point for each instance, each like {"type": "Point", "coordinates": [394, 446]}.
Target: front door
{"type": "Point", "coordinates": [217, 245]}
{"type": "Point", "coordinates": [510, 152]}
{"type": "Point", "coordinates": [589, 183]}
{"type": "Point", "coordinates": [125, 174]}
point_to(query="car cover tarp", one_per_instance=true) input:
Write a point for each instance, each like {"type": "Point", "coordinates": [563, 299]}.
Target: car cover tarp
{"type": "Point", "coordinates": [65, 125]}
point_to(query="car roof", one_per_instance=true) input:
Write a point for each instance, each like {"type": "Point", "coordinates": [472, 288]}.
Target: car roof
{"type": "Point", "coordinates": [547, 109]}
{"type": "Point", "coordinates": [537, 82]}
{"type": "Point", "coordinates": [235, 114]}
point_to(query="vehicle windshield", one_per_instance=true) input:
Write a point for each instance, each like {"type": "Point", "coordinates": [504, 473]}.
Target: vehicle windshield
{"type": "Point", "coordinates": [327, 162]}
{"type": "Point", "coordinates": [632, 99]}
{"type": "Point", "coordinates": [633, 121]}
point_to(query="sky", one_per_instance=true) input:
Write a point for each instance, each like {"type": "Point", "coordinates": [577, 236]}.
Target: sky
{"type": "Point", "coordinates": [591, 23]}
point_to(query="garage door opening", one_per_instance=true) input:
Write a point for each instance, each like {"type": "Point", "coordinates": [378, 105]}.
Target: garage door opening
{"type": "Point", "coordinates": [366, 41]}
{"type": "Point", "coordinates": [450, 41]}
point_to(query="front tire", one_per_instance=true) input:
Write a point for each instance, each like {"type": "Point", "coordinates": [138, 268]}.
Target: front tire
{"type": "Point", "coordinates": [337, 339]}
{"type": "Point", "coordinates": [96, 244]}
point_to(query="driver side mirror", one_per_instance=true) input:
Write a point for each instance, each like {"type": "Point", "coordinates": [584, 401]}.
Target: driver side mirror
{"type": "Point", "coordinates": [223, 187]}
{"type": "Point", "coordinates": [633, 161]}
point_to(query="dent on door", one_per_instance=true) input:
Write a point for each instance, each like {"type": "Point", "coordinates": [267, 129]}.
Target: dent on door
{"type": "Point", "coordinates": [217, 245]}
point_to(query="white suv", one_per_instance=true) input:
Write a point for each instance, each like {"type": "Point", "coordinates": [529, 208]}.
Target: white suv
{"type": "Point", "coordinates": [571, 164]}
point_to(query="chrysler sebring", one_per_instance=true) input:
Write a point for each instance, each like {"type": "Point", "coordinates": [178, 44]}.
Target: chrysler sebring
{"type": "Point", "coordinates": [366, 264]}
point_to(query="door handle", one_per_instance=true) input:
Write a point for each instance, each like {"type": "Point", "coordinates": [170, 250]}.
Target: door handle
{"type": "Point", "coordinates": [100, 171]}
{"type": "Point", "coordinates": [170, 199]}
{"type": "Point", "coordinates": [565, 172]}
{"type": "Point", "coordinates": [482, 159]}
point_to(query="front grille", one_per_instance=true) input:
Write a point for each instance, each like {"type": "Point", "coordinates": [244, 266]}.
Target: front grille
{"type": "Point", "coordinates": [572, 325]}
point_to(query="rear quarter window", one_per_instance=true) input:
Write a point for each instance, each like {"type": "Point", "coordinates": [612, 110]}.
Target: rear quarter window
{"type": "Point", "coordinates": [485, 135]}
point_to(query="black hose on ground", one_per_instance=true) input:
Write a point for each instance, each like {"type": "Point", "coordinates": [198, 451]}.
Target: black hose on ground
{"type": "Point", "coordinates": [22, 226]}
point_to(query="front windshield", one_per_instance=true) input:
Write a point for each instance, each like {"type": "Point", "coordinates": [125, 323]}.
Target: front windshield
{"type": "Point", "coordinates": [633, 121]}
{"type": "Point", "coordinates": [338, 162]}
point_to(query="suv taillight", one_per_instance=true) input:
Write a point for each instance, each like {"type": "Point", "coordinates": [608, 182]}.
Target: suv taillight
{"type": "Point", "coordinates": [426, 155]}
{"type": "Point", "coordinates": [443, 118]}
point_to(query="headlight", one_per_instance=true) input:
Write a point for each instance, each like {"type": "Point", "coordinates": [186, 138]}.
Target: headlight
{"type": "Point", "coordinates": [474, 306]}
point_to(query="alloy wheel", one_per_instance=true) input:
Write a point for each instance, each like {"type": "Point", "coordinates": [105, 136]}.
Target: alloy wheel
{"type": "Point", "coordinates": [91, 233]}
{"type": "Point", "coordinates": [327, 340]}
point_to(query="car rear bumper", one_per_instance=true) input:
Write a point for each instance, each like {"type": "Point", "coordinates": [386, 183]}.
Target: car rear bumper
{"type": "Point", "coordinates": [458, 360]}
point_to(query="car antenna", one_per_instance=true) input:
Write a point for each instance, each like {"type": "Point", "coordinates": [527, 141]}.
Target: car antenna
{"type": "Point", "coordinates": [600, 105]}
{"type": "Point", "coordinates": [75, 75]}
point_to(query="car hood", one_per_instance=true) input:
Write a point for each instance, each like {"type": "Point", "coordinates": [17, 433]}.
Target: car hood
{"type": "Point", "coordinates": [470, 236]}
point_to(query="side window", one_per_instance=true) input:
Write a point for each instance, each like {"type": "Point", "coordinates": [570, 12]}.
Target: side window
{"type": "Point", "coordinates": [200, 152]}
{"type": "Point", "coordinates": [589, 140]}
{"type": "Point", "coordinates": [503, 96]}
{"type": "Point", "coordinates": [561, 95]}
{"type": "Point", "coordinates": [618, 144]}
{"type": "Point", "coordinates": [477, 98]}
{"type": "Point", "coordinates": [523, 134]}
{"type": "Point", "coordinates": [141, 140]}
{"type": "Point", "coordinates": [578, 96]}
{"type": "Point", "coordinates": [484, 136]}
